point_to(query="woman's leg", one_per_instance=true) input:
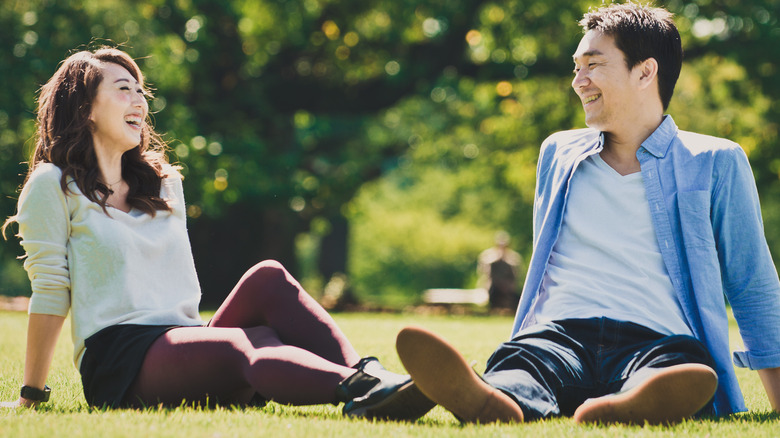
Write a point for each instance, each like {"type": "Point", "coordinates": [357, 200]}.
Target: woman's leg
{"type": "Point", "coordinates": [267, 295]}
{"type": "Point", "coordinates": [230, 365]}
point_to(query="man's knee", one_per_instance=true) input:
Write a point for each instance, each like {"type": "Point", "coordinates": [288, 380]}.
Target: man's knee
{"type": "Point", "coordinates": [679, 349]}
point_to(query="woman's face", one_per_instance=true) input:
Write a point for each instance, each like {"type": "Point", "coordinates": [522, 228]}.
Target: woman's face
{"type": "Point", "coordinates": [118, 111]}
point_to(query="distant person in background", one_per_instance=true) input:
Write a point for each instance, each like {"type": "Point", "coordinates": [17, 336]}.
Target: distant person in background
{"type": "Point", "coordinates": [102, 221]}
{"type": "Point", "coordinates": [499, 270]}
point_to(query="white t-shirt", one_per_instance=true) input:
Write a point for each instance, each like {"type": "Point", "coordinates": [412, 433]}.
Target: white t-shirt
{"type": "Point", "coordinates": [126, 268]}
{"type": "Point", "coordinates": [606, 261]}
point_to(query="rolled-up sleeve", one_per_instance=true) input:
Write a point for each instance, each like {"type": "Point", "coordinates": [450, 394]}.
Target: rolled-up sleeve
{"type": "Point", "coordinates": [44, 227]}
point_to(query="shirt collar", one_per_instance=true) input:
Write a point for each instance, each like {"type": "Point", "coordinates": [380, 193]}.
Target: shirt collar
{"type": "Point", "coordinates": [659, 141]}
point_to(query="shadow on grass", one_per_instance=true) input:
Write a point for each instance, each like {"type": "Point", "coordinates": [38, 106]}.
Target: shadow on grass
{"type": "Point", "coordinates": [748, 417]}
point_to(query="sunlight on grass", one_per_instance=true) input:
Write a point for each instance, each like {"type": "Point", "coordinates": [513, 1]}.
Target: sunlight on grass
{"type": "Point", "coordinates": [372, 334]}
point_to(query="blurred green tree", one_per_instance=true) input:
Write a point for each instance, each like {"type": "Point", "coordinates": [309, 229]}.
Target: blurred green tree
{"type": "Point", "coordinates": [489, 155]}
{"type": "Point", "coordinates": [410, 127]}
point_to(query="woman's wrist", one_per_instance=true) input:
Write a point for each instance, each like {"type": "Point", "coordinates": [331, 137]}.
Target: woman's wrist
{"type": "Point", "coordinates": [31, 395]}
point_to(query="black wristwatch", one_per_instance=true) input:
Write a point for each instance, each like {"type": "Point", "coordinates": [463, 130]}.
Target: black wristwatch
{"type": "Point", "coordinates": [35, 394]}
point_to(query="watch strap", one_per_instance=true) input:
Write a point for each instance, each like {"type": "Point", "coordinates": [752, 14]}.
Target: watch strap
{"type": "Point", "coordinates": [35, 394]}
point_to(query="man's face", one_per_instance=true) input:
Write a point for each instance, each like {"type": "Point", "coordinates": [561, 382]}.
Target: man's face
{"type": "Point", "coordinates": [603, 82]}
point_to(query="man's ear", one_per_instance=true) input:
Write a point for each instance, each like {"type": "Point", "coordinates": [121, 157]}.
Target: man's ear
{"type": "Point", "coordinates": [648, 71]}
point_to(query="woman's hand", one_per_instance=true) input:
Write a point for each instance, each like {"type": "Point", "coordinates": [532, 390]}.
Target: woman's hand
{"type": "Point", "coordinates": [21, 403]}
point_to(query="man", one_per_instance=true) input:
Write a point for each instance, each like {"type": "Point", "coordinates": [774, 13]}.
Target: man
{"type": "Point", "coordinates": [639, 231]}
{"type": "Point", "coordinates": [498, 269]}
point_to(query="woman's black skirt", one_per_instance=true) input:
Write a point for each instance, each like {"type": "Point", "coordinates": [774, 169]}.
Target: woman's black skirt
{"type": "Point", "coordinates": [112, 360]}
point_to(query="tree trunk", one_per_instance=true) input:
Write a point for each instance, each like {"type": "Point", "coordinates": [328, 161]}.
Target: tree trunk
{"type": "Point", "coordinates": [224, 248]}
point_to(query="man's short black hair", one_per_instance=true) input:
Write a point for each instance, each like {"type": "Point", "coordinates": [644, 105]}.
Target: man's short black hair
{"type": "Point", "coordinates": [642, 32]}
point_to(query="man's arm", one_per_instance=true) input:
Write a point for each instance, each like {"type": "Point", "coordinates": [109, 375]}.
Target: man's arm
{"type": "Point", "coordinates": [749, 276]}
{"type": "Point", "coordinates": [770, 378]}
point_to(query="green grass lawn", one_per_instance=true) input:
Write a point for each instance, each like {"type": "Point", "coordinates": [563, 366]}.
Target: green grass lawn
{"type": "Point", "coordinates": [372, 334]}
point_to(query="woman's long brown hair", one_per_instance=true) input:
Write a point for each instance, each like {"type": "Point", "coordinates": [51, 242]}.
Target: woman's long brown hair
{"type": "Point", "coordinates": [64, 135]}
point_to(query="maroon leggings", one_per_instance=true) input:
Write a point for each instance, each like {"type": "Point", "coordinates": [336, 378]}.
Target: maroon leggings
{"type": "Point", "coordinates": [269, 337]}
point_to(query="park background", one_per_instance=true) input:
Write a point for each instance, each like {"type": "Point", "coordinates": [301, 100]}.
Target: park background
{"type": "Point", "coordinates": [371, 146]}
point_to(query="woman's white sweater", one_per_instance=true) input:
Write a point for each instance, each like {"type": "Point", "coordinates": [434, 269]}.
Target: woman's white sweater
{"type": "Point", "coordinates": [121, 268]}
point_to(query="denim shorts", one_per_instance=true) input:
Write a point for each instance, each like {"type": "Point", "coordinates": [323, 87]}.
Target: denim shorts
{"type": "Point", "coordinates": [551, 369]}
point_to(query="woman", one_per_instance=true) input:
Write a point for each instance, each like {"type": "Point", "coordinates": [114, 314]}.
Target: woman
{"type": "Point", "coordinates": [102, 220]}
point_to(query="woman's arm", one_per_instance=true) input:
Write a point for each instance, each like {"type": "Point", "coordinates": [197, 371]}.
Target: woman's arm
{"type": "Point", "coordinates": [43, 331]}
{"type": "Point", "coordinates": [770, 377]}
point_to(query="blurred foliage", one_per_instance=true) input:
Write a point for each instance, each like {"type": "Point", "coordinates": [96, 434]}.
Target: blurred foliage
{"type": "Point", "coordinates": [388, 139]}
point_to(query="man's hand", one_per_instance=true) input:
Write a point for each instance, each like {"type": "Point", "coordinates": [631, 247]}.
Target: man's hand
{"type": "Point", "coordinates": [770, 377]}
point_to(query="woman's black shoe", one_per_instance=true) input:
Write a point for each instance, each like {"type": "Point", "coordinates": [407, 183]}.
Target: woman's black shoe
{"type": "Point", "coordinates": [374, 392]}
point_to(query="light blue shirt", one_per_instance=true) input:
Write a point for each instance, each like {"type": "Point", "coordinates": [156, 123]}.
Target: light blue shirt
{"type": "Point", "coordinates": [705, 209]}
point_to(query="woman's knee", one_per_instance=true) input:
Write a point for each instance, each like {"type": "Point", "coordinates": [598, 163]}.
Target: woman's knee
{"type": "Point", "coordinates": [268, 270]}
